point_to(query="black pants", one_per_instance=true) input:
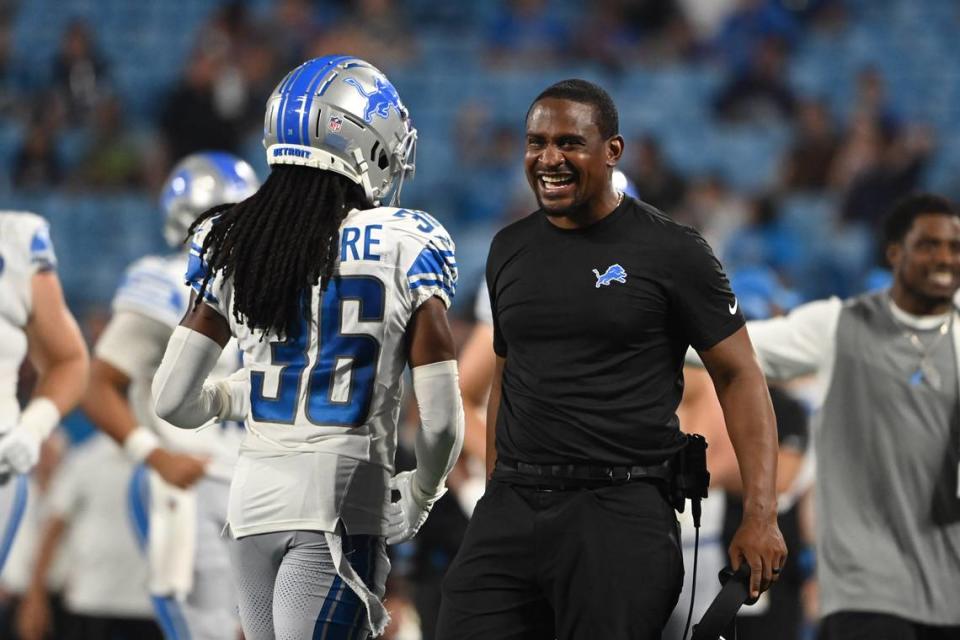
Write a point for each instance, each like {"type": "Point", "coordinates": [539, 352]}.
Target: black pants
{"type": "Point", "coordinates": [82, 627]}
{"type": "Point", "coordinates": [863, 625]}
{"type": "Point", "coordinates": [577, 563]}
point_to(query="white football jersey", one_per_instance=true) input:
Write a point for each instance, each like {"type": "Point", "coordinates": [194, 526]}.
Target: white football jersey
{"type": "Point", "coordinates": [154, 287]}
{"type": "Point", "coordinates": [322, 432]}
{"type": "Point", "coordinates": [25, 249]}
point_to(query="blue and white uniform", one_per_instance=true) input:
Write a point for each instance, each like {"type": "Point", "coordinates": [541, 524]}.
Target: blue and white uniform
{"type": "Point", "coordinates": [190, 577]}
{"type": "Point", "coordinates": [322, 431]}
{"type": "Point", "coordinates": [25, 249]}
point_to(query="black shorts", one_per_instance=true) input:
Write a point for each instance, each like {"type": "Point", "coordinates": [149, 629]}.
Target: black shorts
{"type": "Point", "coordinates": [574, 563]}
{"type": "Point", "coordinates": [867, 625]}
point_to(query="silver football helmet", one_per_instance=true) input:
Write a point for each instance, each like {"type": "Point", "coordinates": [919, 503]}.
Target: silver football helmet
{"type": "Point", "coordinates": [201, 181]}
{"type": "Point", "coordinates": [341, 114]}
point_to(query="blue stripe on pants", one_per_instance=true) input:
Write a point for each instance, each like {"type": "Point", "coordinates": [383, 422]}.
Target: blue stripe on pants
{"type": "Point", "coordinates": [342, 615]}
{"type": "Point", "coordinates": [17, 509]}
{"type": "Point", "coordinates": [138, 500]}
{"type": "Point", "coordinates": [166, 610]}
{"type": "Point", "coordinates": [170, 618]}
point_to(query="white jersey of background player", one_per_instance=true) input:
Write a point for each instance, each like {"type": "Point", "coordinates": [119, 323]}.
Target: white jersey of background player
{"type": "Point", "coordinates": [330, 296]}
{"type": "Point", "coordinates": [189, 566]}
{"type": "Point", "coordinates": [34, 320]}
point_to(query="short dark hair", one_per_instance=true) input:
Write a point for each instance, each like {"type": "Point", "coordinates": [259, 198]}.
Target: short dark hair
{"type": "Point", "coordinates": [907, 209]}
{"type": "Point", "coordinates": [607, 118]}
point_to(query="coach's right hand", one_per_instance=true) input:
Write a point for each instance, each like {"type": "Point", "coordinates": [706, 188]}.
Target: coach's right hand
{"type": "Point", "coordinates": [179, 469]}
{"type": "Point", "coordinates": [759, 543]}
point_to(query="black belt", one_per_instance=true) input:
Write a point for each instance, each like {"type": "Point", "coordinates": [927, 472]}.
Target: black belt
{"type": "Point", "coordinates": [612, 474]}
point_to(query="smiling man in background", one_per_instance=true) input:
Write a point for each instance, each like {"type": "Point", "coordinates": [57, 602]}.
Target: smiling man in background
{"type": "Point", "coordinates": [887, 438]}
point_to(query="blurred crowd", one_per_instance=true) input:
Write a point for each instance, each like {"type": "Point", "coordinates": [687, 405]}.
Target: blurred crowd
{"type": "Point", "coordinates": [77, 135]}
{"type": "Point", "coordinates": [807, 231]}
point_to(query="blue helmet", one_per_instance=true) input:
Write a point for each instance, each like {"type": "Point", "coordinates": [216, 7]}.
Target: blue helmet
{"type": "Point", "coordinates": [201, 181]}
{"type": "Point", "coordinates": [341, 114]}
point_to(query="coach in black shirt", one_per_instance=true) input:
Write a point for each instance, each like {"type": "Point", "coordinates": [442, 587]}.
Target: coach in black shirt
{"type": "Point", "coordinates": [596, 297]}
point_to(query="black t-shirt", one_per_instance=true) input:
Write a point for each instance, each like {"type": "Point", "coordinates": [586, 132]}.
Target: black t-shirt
{"type": "Point", "coordinates": [594, 324]}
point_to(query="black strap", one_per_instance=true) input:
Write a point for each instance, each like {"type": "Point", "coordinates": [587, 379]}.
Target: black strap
{"type": "Point", "coordinates": [721, 616]}
{"type": "Point", "coordinates": [613, 474]}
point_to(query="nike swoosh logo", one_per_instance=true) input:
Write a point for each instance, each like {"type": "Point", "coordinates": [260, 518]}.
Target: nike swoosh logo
{"type": "Point", "coordinates": [733, 307]}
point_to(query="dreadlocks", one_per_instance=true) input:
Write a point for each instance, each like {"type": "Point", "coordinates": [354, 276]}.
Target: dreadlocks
{"type": "Point", "coordinates": [278, 243]}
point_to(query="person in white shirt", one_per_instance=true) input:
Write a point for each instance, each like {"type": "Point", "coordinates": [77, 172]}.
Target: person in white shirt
{"type": "Point", "coordinates": [106, 583]}
{"type": "Point", "coordinates": [885, 433]}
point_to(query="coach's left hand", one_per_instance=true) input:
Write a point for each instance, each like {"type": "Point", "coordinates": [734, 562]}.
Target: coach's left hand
{"type": "Point", "coordinates": [759, 543]}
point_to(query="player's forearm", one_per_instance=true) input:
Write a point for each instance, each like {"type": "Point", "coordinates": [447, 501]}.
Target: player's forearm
{"type": "Point", "coordinates": [46, 551]}
{"type": "Point", "coordinates": [752, 426]}
{"type": "Point", "coordinates": [493, 408]}
{"type": "Point", "coordinates": [106, 404]}
{"type": "Point", "coordinates": [440, 438]}
{"type": "Point", "coordinates": [64, 380]}
{"type": "Point", "coordinates": [179, 392]}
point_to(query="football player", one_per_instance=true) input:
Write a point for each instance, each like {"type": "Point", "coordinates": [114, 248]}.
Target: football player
{"type": "Point", "coordinates": [34, 321]}
{"type": "Point", "coordinates": [179, 507]}
{"type": "Point", "coordinates": [330, 296]}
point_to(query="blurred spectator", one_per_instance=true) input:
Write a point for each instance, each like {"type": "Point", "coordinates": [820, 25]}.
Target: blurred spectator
{"type": "Point", "coordinates": [751, 24]}
{"type": "Point", "coordinates": [191, 119]}
{"type": "Point", "coordinates": [375, 30]}
{"type": "Point", "coordinates": [13, 77]}
{"type": "Point", "coordinates": [527, 32]}
{"type": "Point", "coordinates": [715, 210]}
{"type": "Point", "coordinates": [36, 164]}
{"type": "Point", "coordinates": [760, 91]}
{"type": "Point", "coordinates": [872, 100]}
{"type": "Point", "coordinates": [111, 159]}
{"type": "Point", "coordinates": [656, 180]}
{"type": "Point", "coordinates": [79, 71]}
{"type": "Point", "coordinates": [859, 151]}
{"type": "Point", "coordinates": [258, 65]}
{"type": "Point", "coordinates": [815, 144]}
{"type": "Point", "coordinates": [763, 240]}
{"type": "Point", "coordinates": [608, 36]}
{"type": "Point", "coordinates": [665, 33]}
{"type": "Point", "coordinates": [248, 63]}
{"type": "Point", "coordinates": [295, 27]}
{"type": "Point", "coordinates": [487, 151]}
{"type": "Point", "coordinates": [707, 18]}
{"type": "Point", "coordinates": [898, 171]}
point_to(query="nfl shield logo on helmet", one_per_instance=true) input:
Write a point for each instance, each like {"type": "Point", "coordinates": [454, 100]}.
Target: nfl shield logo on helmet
{"type": "Point", "coordinates": [335, 124]}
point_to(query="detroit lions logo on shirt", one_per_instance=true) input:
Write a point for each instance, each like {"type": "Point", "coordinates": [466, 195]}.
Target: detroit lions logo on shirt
{"type": "Point", "coordinates": [379, 100]}
{"type": "Point", "coordinates": [613, 273]}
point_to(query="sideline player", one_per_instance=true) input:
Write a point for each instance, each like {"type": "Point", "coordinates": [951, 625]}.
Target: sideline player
{"type": "Point", "coordinates": [325, 341]}
{"type": "Point", "coordinates": [188, 489]}
{"type": "Point", "coordinates": [888, 512]}
{"type": "Point", "coordinates": [34, 322]}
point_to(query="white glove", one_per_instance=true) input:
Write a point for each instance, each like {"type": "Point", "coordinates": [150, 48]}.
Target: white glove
{"type": "Point", "coordinates": [407, 515]}
{"type": "Point", "coordinates": [20, 450]}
